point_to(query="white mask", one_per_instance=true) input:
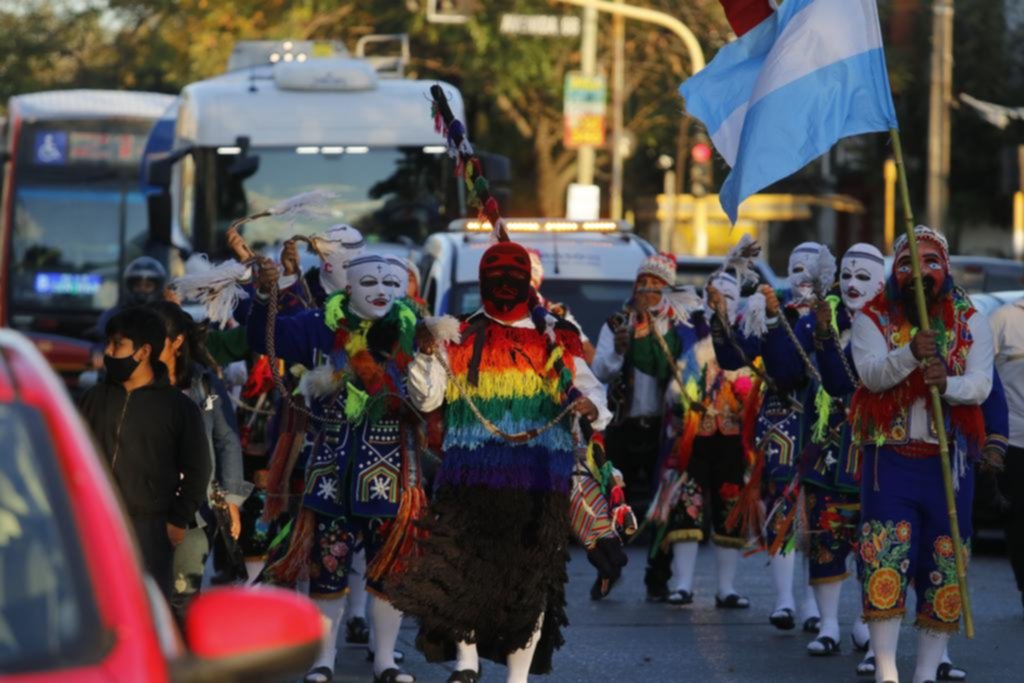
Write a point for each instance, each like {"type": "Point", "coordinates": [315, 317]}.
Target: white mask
{"type": "Point", "coordinates": [802, 265]}
{"type": "Point", "coordinates": [862, 275]}
{"type": "Point", "coordinates": [339, 245]}
{"type": "Point", "coordinates": [373, 286]}
{"type": "Point", "coordinates": [401, 272]}
{"type": "Point", "coordinates": [730, 289]}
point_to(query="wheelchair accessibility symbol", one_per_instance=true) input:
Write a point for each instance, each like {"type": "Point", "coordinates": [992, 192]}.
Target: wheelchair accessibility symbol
{"type": "Point", "coordinates": [51, 148]}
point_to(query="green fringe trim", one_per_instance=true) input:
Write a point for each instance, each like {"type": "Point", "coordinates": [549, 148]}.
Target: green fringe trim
{"type": "Point", "coordinates": [355, 403]}
{"type": "Point", "coordinates": [833, 303]}
{"type": "Point", "coordinates": [823, 408]}
{"type": "Point", "coordinates": [335, 311]}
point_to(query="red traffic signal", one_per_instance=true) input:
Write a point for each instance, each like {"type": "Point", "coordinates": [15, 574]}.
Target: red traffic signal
{"type": "Point", "coordinates": [701, 153]}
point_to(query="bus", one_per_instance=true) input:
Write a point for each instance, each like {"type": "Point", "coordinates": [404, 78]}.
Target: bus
{"type": "Point", "coordinates": [73, 213]}
{"type": "Point", "coordinates": [299, 117]}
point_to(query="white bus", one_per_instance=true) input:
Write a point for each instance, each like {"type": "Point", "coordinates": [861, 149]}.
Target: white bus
{"type": "Point", "coordinates": [73, 212]}
{"type": "Point", "coordinates": [294, 121]}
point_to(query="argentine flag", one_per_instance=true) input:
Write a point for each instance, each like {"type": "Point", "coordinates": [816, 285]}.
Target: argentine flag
{"type": "Point", "coordinates": [788, 89]}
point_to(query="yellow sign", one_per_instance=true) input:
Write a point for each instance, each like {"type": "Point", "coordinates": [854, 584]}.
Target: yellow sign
{"type": "Point", "coordinates": [585, 107]}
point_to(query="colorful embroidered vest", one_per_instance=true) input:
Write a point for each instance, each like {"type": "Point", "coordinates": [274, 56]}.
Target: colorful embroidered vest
{"type": "Point", "coordinates": [882, 418]}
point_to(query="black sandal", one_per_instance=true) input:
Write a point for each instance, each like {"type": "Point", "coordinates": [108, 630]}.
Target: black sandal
{"type": "Point", "coordinates": [465, 676]}
{"type": "Point", "coordinates": [399, 656]}
{"type": "Point", "coordinates": [680, 598]}
{"type": "Point", "coordinates": [734, 601]}
{"type": "Point", "coordinates": [812, 625]}
{"type": "Point", "coordinates": [860, 647]}
{"type": "Point", "coordinates": [948, 672]}
{"type": "Point", "coordinates": [866, 667]}
{"type": "Point", "coordinates": [357, 631]}
{"type": "Point", "coordinates": [783, 619]}
{"type": "Point", "coordinates": [313, 675]}
{"type": "Point", "coordinates": [829, 647]}
{"type": "Point", "coordinates": [391, 676]}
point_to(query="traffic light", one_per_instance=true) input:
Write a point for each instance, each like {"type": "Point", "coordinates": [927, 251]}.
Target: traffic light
{"type": "Point", "coordinates": [700, 165]}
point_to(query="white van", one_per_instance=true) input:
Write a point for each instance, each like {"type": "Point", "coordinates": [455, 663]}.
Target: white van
{"type": "Point", "coordinates": [589, 266]}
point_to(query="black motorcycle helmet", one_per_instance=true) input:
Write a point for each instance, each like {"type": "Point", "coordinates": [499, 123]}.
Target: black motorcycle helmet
{"type": "Point", "coordinates": [144, 281]}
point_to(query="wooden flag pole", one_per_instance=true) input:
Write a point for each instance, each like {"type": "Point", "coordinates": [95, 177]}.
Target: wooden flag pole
{"type": "Point", "coordinates": [937, 416]}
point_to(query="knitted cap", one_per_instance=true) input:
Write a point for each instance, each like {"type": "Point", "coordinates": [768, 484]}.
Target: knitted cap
{"type": "Point", "coordinates": [661, 266]}
{"type": "Point", "coordinates": [923, 232]}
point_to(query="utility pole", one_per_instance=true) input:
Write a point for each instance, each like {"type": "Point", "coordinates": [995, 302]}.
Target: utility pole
{"type": "Point", "coordinates": [618, 99]}
{"type": "Point", "coordinates": [588, 48]}
{"type": "Point", "coordinates": [939, 102]}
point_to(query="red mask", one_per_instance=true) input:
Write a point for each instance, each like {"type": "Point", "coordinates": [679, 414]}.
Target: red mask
{"type": "Point", "coordinates": [505, 281]}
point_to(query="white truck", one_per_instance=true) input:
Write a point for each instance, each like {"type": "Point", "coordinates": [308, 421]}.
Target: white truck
{"type": "Point", "coordinates": [589, 266]}
{"type": "Point", "coordinates": [294, 117]}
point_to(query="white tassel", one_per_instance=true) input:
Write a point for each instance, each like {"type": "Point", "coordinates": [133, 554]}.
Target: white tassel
{"type": "Point", "coordinates": [216, 287]}
{"type": "Point", "coordinates": [318, 383]}
{"type": "Point", "coordinates": [684, 302]}
{"type": "Point", "coordinates": [825, 271]}
{"type": "Point", "coordinates": [755, 318]}
{"type": "Point", "coordinates": [445, 329]}
{"type": "Point", "coordinates": [304, 203]}
{"type": "Point", "coordinates": [741, 259]}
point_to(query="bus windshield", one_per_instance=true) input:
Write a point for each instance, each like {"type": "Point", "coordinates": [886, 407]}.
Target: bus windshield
{"type": "Point", "coordinates": [78, 214]}
{"type": "Point", "coordinates": [391, 194]}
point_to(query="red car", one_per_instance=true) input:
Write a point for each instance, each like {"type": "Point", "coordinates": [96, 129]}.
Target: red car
{"type": "Point", "coordinates": [75, 606]}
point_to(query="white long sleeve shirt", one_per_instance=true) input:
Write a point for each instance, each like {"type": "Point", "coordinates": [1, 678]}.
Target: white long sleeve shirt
{"type": "Point", "coordinates": [427, 382]}
{"type": "Point", "coordinates": [647, 399]}
{"type": "Point", "coordinates": [881, 369]}
{"type": "Point", "coordinates": [1008, 344]}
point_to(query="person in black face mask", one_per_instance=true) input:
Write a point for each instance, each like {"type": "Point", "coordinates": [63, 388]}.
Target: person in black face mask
{"type": "Point", "coordinates": [152, 436]}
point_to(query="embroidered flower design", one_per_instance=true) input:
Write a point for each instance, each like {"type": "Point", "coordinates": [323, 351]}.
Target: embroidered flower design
{"type": "Point", "coordinates": [339, 549]}
{"type": "Point", "coordinates": [868, 552]}
{"type": "Point", "coordinates": [946, 603]}
{"type": "Point", "coordinates": [903, 532]}
{"type": "Point", "coordinates": [884, 588]}
{"type": "Point", "coordinates": [729, 491]}
{"type": "Point", "coordinates": [380, 488]}
{"type": "Point", "coordinates": [944, 546]}
{"type": "Point", "coordinates": [936, 578]}
{"type": "Point", "coordinates": [328, 489]}
{"type": "Point", "coordinates": [330, 563]}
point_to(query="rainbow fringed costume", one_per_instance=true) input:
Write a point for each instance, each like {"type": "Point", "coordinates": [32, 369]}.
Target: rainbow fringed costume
{"type": "Point", "coordinates": [498, 521]}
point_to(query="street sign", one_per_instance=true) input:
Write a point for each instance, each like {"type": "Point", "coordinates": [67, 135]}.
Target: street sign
{"type": "Point", "coordinates": [583, 202]}
{"type": "Point", "coordinates": [585, 110]}
{"type": "Point", "coordinates": [551, 25]}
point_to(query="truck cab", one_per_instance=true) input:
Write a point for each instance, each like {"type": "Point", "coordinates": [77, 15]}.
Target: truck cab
{"type": "Point", "coordinates": [589, 266]}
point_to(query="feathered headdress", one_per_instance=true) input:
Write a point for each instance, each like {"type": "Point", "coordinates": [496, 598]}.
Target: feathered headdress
{"type": "Point", "coordinates": [740, 260]}
{"type": "Point", "coordinates": [217, 287]}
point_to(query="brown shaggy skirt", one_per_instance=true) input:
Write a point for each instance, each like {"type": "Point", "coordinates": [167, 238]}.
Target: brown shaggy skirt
{"type": "Point", "coordinates": [493, 563]}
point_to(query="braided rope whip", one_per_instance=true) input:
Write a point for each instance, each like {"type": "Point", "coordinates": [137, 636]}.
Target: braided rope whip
{"type": "Point", "coordinates": [677, 375]}
{"type": "Point", "coordinates": [850, 374]}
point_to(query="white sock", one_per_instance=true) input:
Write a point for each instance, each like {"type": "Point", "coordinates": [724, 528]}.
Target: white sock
{"type": "Point", "coordinates": [519, 661]}
{"type": "Point", "coordinates": [684, 565]}
{"type": "Point", "coordinates": [827, 597]}
{"type": "Point", "coordinates": [387, 622]}
{"type": "Point", "coordinates": [860, 630]}
{"type": "Point", "coordinates": [467, 658]}
{"type": "Point", "coordinates": [809, 608]}
{"type": "Point", "coordinates": [727, 561]}
{"type": "Point", "coordinates": [332, 611]}
{"type": "Point", "coordinates": [885, 636]}
{"type": "Point", "coordinates": [782, 575]}
{"type": "Point", "coordinates": [253, 567]}
{"type": "Point", "coordinates": [357, 594]}
{"type": "Point", "coordinates": [945, 655]}
{"type": "Point", "coordinates": [930, 649]}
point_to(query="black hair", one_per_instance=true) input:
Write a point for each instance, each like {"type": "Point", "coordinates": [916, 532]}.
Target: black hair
{"type": "Point", "coordinates": [175, 322]}
{"type": "Point", "coordinates": [141, 326]}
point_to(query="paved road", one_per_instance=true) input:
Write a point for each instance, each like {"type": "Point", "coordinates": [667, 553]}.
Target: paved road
{"type": "Point", "coordinates": [625, 639]}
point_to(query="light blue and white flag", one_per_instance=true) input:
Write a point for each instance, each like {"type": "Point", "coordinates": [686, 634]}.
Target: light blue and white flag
{"type": "Point", "coordinates": [782, 94]}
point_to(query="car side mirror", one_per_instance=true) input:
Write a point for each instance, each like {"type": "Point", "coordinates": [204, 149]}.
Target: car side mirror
{"type": "Point", "coordinates": [249, 634]}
